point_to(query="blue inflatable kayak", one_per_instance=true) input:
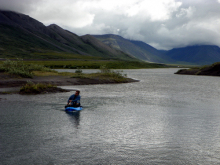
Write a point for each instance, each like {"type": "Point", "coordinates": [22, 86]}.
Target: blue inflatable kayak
{"type": "Point", "coordinates": [73, 108]}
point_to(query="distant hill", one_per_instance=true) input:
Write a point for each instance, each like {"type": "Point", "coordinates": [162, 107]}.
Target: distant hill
{"type": "Point", "coordinates": [197, 55]}
{"type": "Point", "coordinates": [22, 36]}
{"type": "Point", "coordinates": [201, 55]}
{"type": "Point", "coordinates": [137, 49]}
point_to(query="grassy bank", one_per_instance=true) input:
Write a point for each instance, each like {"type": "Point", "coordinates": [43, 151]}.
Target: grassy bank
{"type": "Point", "coordinates": [32, 88]}
{"type": "Point", "coordinates": [19, 68]}
{"type": "Point", "coordinates": [208, 70]}
{"type": "Point", "coordinates": [40, 74]}
{"type": "Point", "coordinates": [95, 64]}
{"type": "Point", "coordinates": [104, 74]}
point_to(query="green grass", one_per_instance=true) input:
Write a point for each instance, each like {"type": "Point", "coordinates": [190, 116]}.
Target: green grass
{"type": "Point", "coordinates": [59, 55]}
{"type": "Point", "coordinates": [104, 74]}
{"type": "Point", "coordinates": [43, 73]}
{"type": "Point", "coordinates": [19, 68]}
{"type": "Point", "coordinates": [204, 66]}
{"type": "Point", "coordinates": [101, 76]}
{"type": "Point", "coordinates": [32, 88]}
{"type": "Point", "coordinates": [94, 64]}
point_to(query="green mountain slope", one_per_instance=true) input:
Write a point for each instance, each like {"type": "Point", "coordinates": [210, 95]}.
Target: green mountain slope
{"type": "Point", "coordinates": [15, 42]}
{"type": "Point", "coordinates": [105, 49]}
{"type": "Point", "coordinates": [24, 37]}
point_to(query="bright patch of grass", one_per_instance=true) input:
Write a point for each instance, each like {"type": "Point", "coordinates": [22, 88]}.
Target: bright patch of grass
{"type": "Point", "coordinates": [104, 74]}
{"type": "Point", "coordinates": [55, 73]}
{"type": "Point", "coordinates": [61, 55]}
{"type": "Point", "coordinates": [32, 88]}
{"type": "Point", "coordinates": [21, 69]}
{"type": "Point", "coordinates": [43, 73]}
{"type": "Point", "coordinates": [95, 64]}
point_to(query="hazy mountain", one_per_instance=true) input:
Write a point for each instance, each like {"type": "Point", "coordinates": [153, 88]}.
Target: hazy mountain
{"type": "Point", "coordinates": [202, 55]}
{"type": "Point", "coordinates": [23, 36]}
{"type": "Point", "coordinates": [137, 49]}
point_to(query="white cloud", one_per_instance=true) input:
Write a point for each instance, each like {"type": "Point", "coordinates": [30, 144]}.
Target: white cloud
{"type": "Point", "coordinates": [163, 23]}
{"type": "Point", "coordinates": [70, 15]}
{"type": "Point", "coordinates": [155, 10]}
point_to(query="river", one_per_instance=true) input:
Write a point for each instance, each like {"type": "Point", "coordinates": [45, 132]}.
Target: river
{"type": "Point", "coordinates": [163, 119]}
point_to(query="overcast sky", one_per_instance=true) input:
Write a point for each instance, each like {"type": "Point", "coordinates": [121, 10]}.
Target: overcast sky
{"type": "Point", "coordinates": [164, 24]}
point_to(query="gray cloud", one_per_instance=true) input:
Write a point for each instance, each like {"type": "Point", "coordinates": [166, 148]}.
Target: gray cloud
{"type": "Point", "coordinates": [165, 24]}
{"type": "Point", "coordinates": [22, 6]}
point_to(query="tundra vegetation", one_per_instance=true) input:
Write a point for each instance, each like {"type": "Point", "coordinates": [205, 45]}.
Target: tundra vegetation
{"type": "Point", "coordinates": [94, 64]}
{"type": "Point", "coordinates": [208, 70]}
{"type": "Point", "coordinates": [32, 88]}
{"type": "Point", "coordinates": [104, 74]}
{"type": "Point", "coordinates": [19, 68]}
{"type": "Point", "coordinates": [28, 69]}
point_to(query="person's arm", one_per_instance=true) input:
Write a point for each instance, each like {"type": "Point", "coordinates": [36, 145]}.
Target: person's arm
{"type": "Point", "coordinates": [77, 99]}
{"type": "Point", "coordinates": [70, 99]}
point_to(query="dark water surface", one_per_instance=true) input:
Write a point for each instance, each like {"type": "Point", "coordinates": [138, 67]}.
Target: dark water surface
{"type": "Point", "coordinates": [163, 119]}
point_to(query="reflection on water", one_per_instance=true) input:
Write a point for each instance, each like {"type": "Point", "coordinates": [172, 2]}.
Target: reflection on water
{"type": "Point", "coordinates": [74, 117]}
{"type": "Point", "coordinates": [163, 119]}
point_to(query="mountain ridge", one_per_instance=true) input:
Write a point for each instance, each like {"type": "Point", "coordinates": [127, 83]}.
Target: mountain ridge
{"type": "Point", "coordinates": [131, 47]}
{"type": "Point", "coordinates": [196, 54]}
{"type": "Point", "coordinates": [34, 36]}
{"type": "Point", "coordinates": [23, 36]}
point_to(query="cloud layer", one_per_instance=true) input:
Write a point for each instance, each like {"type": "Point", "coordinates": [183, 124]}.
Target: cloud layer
{"type": "Point", "coordinates": [164, 24]}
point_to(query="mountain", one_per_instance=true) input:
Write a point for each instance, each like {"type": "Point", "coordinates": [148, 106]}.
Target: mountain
{"type": "Point", "coordinates": [197, 55]}
{"type": "Point", "coordinates": [201, 55]}
{"type": "Point", "coordinates": [24, 37]}
{"type": "Point", "coordinates": [137, 49]}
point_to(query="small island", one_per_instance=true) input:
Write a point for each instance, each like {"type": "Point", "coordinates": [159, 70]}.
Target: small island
{"type": "Point", "coordinates": [37, 79]}
{"type": "Point", "coordinates": [211, 70]}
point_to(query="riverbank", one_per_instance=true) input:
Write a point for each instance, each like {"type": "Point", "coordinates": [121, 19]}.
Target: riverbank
{"type": "Point", "coordinates": [58, 80]}
{"type": "Point", "coordinates": [212, 70]}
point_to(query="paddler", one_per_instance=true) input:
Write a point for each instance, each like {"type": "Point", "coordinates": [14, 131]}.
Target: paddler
{"type": "Point", "coordinates": [74, 100]}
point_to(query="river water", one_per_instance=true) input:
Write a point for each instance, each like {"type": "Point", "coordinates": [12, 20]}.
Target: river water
{"type": "Point", "coordinates": [163, 119]}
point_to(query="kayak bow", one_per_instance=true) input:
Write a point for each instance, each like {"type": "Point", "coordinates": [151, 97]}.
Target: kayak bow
{"type": "Point", "coordinates": [73, 108]}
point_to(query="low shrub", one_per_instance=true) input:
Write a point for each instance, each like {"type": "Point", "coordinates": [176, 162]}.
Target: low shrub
{"type": "Point", "coordinates": [20, 69]}
{"type": "Point", "coordinates": [110, 73]}
{"type": "Point", "coordinates": [78, 71]}
{"type": "Point", "coordinates": [104, 74]}
{"type": "Point", "coordinates": [32, 88]}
